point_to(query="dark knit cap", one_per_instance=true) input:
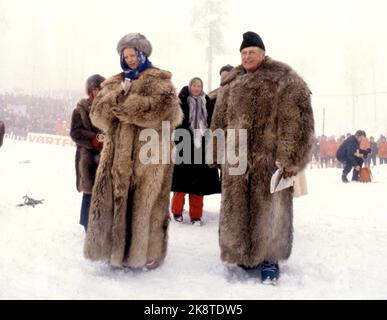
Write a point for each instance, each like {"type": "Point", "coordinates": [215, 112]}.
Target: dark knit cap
{"type": "Point", "coordinates": [94, 81]}
{"type": "Point", "coordinates": [227, 67]}
{"type": "Point", "coordinates": [251, 39]}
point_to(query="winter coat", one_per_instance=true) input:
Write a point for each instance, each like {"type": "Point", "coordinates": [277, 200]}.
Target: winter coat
{"type": "Point", "coordinates": [198, 179]}
{"type": "Point", "coordinates": [273, 104]}
{"type": "Point", "coordinates": [374, 149]}
{"type": "Point", "coordinates": [382, 150]}
{"type": "Point", "coordinates": [128, 218]}
{"type": "Point", "coordinates": [2, 132]}
{"type": "Point", "coordinates": [86, 156]}
{"type": "Point", "coordinates": [347, 150]}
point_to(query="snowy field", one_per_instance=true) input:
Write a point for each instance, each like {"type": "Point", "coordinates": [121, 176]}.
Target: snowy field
{"type": "Point", "coordinates": [339, 250]}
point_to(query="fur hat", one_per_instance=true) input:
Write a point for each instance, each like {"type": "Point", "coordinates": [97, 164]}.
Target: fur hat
{"type": "Point", "coordinates": [94, 81]}
{"type": "Point", "coordinates": [251, 39]}
{"type": "Point", "coordinates": [135, 40]}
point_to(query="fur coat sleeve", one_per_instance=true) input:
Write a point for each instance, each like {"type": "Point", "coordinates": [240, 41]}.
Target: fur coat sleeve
{"type": "Point", "coordinates": [295, 123]}
{"type": "Point", "coordinates": [101, 113]}
{"type": "Point", "coordinates": [148, 103]}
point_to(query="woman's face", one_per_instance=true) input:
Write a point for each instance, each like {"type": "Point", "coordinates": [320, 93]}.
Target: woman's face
{"type": "Point", "coordinates": [196, 88]}
{"type": "Point", "coordinates": [130, 58]}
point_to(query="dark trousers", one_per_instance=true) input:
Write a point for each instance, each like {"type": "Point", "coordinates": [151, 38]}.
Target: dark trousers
{"type": "Point", "coordinates": [85, 210]}
{"type": "Point", "coordinates": [348, 167]}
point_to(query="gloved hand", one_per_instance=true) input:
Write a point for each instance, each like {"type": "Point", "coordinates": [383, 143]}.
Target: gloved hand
{"type": "Point", "coordinates": [97, 143]}
{"type": "Point", "coordinates": [287, 174]}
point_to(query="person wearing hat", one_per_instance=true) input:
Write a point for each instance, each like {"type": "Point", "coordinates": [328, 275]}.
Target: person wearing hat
{"type": "Point", "coordinates": [351, 156]}
{"type": "Point", "coordinates": [223, 72]}
{"type": "Point", "coordinates": [273, 104]}
{"type": "Point", "coordinates": [129, 212]}
{"type": "Point", "coordinates": [86, 138]}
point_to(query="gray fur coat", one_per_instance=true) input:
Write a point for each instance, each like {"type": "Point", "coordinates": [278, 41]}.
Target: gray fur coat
{"type": "Point", "coordinates": [274, 105]}
{"type": "Point", "coordinates": [128, 217]}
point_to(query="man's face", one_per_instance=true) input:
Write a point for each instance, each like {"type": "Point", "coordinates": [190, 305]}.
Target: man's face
{"type": "Point", "coordinates": [360, 138]}
{"type": "Point", "coordinates": [130, 58]}
{"type": "Point", "coordinates": [94, 92]}
{"type": "Point", "coordinates": [252, 57]}
{"type": "Point", "coordinates": [223, 75]}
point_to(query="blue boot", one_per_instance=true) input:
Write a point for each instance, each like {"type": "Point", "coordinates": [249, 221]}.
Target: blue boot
{"type": "Point", "coordinates": [269, 272]}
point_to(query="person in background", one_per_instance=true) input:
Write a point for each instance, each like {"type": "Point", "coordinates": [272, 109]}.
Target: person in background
{"type": "Point", "coordinates": [365, 144]}
{"type": "Point", "coordinates": [382, 150]}
{"type": "Point", "coordinates": [272, 103]}
{"type": "Point", "coordinates": [194, 179]}
{"type": "Point", "coordinates": [374, 151]}
{"type": "Point", "coordinates": [89, 145]}
{"type": "Point", "coordinates": [223, 72]}
{"type": "Point", "coordinates": [350, 155]}
{"type": "Point", "coordinates": [2, 132]}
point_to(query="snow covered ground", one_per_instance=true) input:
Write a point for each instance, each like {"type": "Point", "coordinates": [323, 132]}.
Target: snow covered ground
{"type": "Point", "coordinates": [339, 251]}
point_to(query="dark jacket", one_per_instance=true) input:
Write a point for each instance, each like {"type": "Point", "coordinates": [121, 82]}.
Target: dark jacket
{"type": "Point", "coordinates": [197, 179]}
{"type": "Point", "coordinates": [347, 150]}
{"type": "Point", "coordinates": [86, 156]}
{"type": "Point", "coordinates": [2, 132]}
{"type": "Point", "coordinates": [374, 149]}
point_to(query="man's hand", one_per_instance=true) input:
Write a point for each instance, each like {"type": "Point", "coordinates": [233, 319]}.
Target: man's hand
{"type": "Point", "coordinates": [287, 174]}
{"type": "Point", "coordinates": [357, 168]}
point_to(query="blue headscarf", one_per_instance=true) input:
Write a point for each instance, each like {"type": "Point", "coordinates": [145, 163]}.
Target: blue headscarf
{"type": "Point", "coordinates": [143, 64]}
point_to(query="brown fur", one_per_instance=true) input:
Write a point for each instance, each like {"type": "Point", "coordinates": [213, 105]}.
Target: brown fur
{"type": "Point", "coordinates": [273, 104]}
{"type": "Point", "coordinates": [136, 235]}
{"type": "Point", "coordinates": [86, 157]}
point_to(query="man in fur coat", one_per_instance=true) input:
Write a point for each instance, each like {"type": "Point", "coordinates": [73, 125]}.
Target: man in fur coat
{"type": "Point", "coordinates": [272, 102]}
{"type": "Point", "coordinates": [128, 218]}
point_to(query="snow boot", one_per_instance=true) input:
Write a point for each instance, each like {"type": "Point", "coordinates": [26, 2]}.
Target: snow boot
{"type": "Point", "coordinates": [178, 217]}
{"type": "Point", "coordinates": [196, 222]}
{"type": "Point", "coordinates": [269, 272]}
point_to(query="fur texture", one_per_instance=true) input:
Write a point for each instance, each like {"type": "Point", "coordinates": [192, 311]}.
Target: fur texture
{"type": "Point", "coordinates": [128, 217]}
{"type": "Point", "coordinates": [273, 104]}
{"type": "Point", "coordinates": [86, 157]}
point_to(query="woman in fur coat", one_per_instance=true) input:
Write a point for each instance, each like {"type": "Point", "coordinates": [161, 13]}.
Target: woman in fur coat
{"type": "Point", "coordinates": [270, 101]}
{"type": "Point", "coordinates": [85, 135]}
{"type": "Point", "coordinates": [129, 215]}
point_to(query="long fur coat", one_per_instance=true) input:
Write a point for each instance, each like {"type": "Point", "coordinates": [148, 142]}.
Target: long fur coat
{"type": "Point", "coordinates": [86, 156]}
{"type": "Point", "coordinates": [274, 105]}
{"type": "Point", "coordinates": [128, 218]}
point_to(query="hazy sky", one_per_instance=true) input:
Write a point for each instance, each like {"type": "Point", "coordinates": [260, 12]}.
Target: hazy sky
{"type": "Point", "coordinates": [339, 47]}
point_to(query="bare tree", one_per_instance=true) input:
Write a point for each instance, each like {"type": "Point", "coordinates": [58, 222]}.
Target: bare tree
{"type": "Point", "coordinates": [208, 21]}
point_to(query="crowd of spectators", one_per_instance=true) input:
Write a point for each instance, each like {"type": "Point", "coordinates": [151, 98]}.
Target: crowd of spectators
{"type": "Point", "coordinates": [325, 147]}
{"type": "Point", "coordinates": [40, 114]}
